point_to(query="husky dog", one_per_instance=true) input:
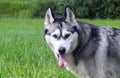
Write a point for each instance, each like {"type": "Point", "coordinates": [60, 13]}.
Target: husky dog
{"type": "Point", "coordinates": [86, 50]}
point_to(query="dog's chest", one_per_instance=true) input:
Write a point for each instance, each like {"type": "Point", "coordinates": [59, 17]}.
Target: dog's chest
{"type": "Point", "coordinates": [79, 69]}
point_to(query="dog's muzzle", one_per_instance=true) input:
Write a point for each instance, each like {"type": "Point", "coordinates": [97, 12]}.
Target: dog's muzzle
{"type": "Point", "coordinates": [62, 50]}
{"type": "Point", "coordinates": [62, 58]}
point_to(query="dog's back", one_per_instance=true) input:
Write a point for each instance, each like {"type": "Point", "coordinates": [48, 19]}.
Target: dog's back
{"type": "Point", "coordinates": [101, 55]}
{"type": "Point", "coordinates": [113, 53]}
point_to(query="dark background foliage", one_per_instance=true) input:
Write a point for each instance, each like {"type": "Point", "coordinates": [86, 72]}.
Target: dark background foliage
{"type": "Point", "coordinates": [81, 8]}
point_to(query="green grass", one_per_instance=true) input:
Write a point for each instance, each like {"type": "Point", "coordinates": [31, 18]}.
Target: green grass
{"type": "Point", "coordinates": [24, 54]}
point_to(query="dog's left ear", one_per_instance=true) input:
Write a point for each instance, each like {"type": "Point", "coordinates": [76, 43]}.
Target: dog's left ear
{"type": "Point", "coordinates": [48, 17]}
{"type": "Point", "coordinates": [69, 16]}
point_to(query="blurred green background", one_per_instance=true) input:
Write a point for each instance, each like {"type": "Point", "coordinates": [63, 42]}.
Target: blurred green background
{"type": "Point", "coordinates": [23, 51]}
{"type": "Point", "coordinates": [81, 8]}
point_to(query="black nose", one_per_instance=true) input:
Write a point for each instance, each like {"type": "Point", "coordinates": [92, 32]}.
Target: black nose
{"type": "Point", "coordinates": [61, 50]}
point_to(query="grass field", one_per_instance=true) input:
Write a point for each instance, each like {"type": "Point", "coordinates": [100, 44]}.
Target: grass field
{"type": "Point", "coordinates": [24, 54]}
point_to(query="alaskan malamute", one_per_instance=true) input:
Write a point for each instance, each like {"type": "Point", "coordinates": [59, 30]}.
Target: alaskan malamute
{"type": "Point", "coordinates": [86, 50]}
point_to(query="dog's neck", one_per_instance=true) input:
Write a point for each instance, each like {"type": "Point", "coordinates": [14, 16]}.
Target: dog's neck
{"type": "Point", "coordinates": [82, 44]}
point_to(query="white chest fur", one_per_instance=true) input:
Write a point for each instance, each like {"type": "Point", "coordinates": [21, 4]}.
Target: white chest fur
{"type": "Point", "coordinates": [79, 69]}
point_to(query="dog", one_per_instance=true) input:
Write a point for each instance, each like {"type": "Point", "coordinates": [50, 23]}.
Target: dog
{"type": "Point", "coordinates": [86, 50]}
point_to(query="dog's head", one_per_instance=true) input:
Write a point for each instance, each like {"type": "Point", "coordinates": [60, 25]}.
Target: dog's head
{"type": "Point", "coordinates": [61, 35]}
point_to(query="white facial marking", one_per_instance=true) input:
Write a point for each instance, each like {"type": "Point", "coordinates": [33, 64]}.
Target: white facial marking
{"type": "Point", "coordinates": [57, 33]}
{"type": "Point", "coordinates": [69, 43]}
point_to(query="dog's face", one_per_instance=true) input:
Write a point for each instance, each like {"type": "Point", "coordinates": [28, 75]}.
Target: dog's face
{"type": "Point", "coordinates": [61, 35]}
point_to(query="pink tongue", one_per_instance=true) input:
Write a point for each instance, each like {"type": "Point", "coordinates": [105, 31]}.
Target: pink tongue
{"type": "Point", "coordinates": [63, 62]}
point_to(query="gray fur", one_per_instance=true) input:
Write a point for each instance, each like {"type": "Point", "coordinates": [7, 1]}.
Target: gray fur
{"type": "Point", "coordinates": [97, 51]}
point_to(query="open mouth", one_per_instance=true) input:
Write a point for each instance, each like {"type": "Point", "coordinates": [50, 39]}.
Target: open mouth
{"type": "Point", "coordinates": [62, 60]}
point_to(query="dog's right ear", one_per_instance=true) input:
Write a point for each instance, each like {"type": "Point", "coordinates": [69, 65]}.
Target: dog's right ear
{"type": "Point", "coordinates": [49, 19]}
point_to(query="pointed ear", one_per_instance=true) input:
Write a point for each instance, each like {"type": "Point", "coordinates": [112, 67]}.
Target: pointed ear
{"type": "Point", "coordinates": [48, 17]}
{"type": "Point", "coordinates": [69, 16]}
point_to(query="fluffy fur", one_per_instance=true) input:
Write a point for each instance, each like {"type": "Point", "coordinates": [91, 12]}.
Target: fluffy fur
{"type": "Point", "coordinates": [86, 50]}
